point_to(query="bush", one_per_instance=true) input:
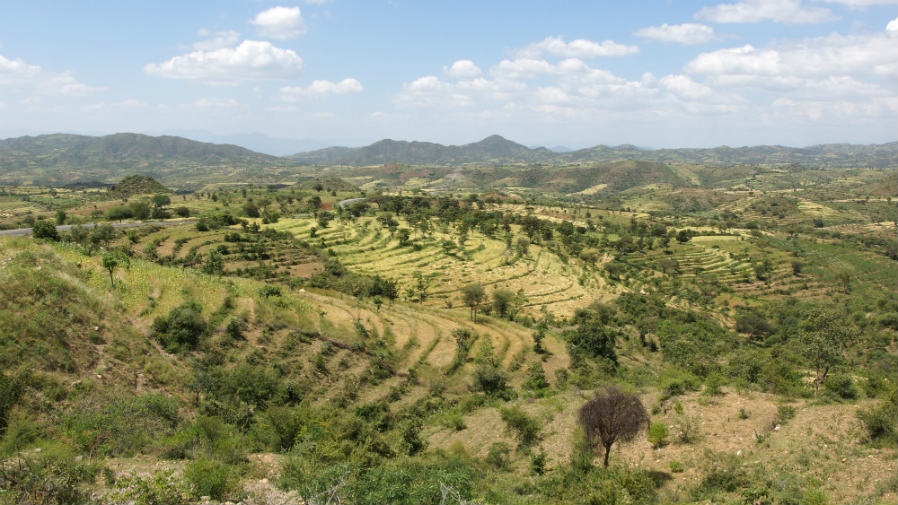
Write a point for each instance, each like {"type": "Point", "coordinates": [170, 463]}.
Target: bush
{"type": "Point", "coordinates": [490, 380]}
{"type": "Point", "coordinates": [182, 329]}
{"type": "Point", "coordinates": [159, 488]}
{"type": "Point", "coordinates": [53, 476]}
{"type": "Point", "coordinates": [497, 456]}
{"type": "Point", "coordinates": [881, 422]}
{"type": "Point", "coordinates": [525, 428]}
{"type": "Point", "coordinates": [658, 435]}
{"type": "Point", "coordinates": [842, 386]}
{"type": "Point", "coordinates": [210, 478]}
{"type": "Point", "coordinates": [44, 229]}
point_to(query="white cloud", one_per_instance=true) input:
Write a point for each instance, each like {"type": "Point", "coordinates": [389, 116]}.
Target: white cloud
{"type": "Point", "coordinates": [859, 4]}
{"type": "Point", "coordinates": [280, 23]}
{"type": "Point", "coordinates": [16, 71]}
{"type": "Point", "coordinates": [321, 88]}
{"type": "Point", "coordinates": [217, 40]}
{"type": "Point", "coordinates": [462, 69]}
{"type": "Point", "coordinates": [892, 27]}
{"type": "Point", "coordinates": [579, 48]}
{"type": "Point", "coordinates": [251, 60]}
{"type": "Point", "coordinates": [28, 78]}
{"type": "Point", "coordinates": [216, 103]}
{"type": "Point", "coordinates": [820, 57]}
{"type": "Point", "coordinates": [685, 87]}
{"type": "Point", "coordinates": [687, 33]}
{"type": "Point", "coordinates": [758, 90]}
{"type": "Point", "coordinates": [756, 11]}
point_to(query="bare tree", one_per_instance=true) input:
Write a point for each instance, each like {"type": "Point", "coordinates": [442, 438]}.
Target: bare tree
{"type": "Point", "coordinates": [611, 416]}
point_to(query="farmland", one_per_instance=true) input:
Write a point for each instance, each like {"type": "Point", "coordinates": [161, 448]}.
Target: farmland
{"type": "Point", "coordinates": [273, 343]}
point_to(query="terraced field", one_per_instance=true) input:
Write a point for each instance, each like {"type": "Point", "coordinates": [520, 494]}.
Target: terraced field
{"type": "Point", "coordinates": [547, 283]}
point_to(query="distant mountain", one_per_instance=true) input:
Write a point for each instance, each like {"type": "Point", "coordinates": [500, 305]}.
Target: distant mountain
{"type": "Point", "coordinates": [496, 149]}
{"type": "Point", "coordinates": [177, 162]}
{"type": "Point", "coordinates": [493, 149]}
{"type": "Point", "coordinates": [65, 159]}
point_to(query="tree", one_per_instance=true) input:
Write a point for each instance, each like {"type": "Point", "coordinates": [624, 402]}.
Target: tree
{"type": "Point", "coordinates": [823, 337]}
{"type": "Point", "coordinates": [473, 295]}
{"type": "Point", "coordinates": [44, 229]}
{"type": "Point", "coordinates": [502, 301]}
{"type": "Point", "coordinates": [110, 263]}
{"type": "Point", "coordinates": [611, 416]}
{"type": "Point", "coordinates": [593, 336]}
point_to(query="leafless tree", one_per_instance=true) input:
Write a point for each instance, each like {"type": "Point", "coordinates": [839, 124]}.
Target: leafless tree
{"type": "Point", "coordinates": [611, 416]}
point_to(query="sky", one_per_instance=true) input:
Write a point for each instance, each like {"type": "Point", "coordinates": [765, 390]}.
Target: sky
{"type": "Point", "coordinates": [653, 73]}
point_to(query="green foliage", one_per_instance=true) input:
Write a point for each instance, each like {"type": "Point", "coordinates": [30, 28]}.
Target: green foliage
{"type": "Point", "coordinates": [405, 481]}
{"type": "Point", "coordinates": [115, 425]}
{"type": "Point", "coordinates": [592, 337]}
{"type": "Point", "coordinates": [55, 476]}
{"type": "Point", "coordinates": [182, 329]}
{"type": "Point", "coordinates": [44, 229]}
{"type": "Point", "coordinates": [842, 386]}
{"type": "Point", "coordinates": [881, 422]}
{"type": "Point", "coordinates": [658, 434]}
{"type": "Point", "coordinates": [11, 389]}
{"type": "Point", "coordinates": [498, 455]}
{"type": "Point", "coordinates": [536, 378]}
{"type": "Point", "coordinates": [161, 487]}
{"type": "Point", "coordinates": [823, 337]}
{"type": "Point", "coordinates": [491, 380]}
{"type": "Point", "coordinates": [473, 296]}
{"type": "Point", "coordinates": [725, 475]}
{"type": "Point", "coordinates": [210, 478]}
{"type": "Point", "coordinates": [524, 427]}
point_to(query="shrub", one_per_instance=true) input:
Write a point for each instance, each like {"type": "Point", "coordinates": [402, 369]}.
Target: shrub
{"type": "Point", "coordinates": [658, 434]}
{"type": "Point", "coordinates": [182, 329]}
{"type": "Point", "coordinates": [490, 380]}
{"type": "Point", "coordinates": [53, 476]}
{"type": "Point", "coordinates": [881, 422]}
{"type": "Point", "coordinates": [44, 229]}
{"type": "Point", "coordinates": [497, 456]}
{"type": "Point", "coordinates": [210, 478]}
{"type": "Point", "coordinates": [842, 386]}
{"type": "Point", "coordinates": [159, 488]}
{"type": "Point", "coordinates": [525, 428]}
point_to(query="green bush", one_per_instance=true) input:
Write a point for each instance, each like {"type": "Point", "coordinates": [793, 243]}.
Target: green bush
{"type": "Point", "coordinates": [842, 386]}
{"type": "Point", "coordinates": [675, 382]}
{"type": "Point", "coordinates": [210, 478]}
{"type": "Point", "coordinates": [881, 422]}
{"type": "Point", "coordinates": [497, 455]}
{"type": "Point", "coordinates": [182, 329]}
{"type": "Point", "coordinates": [162, 487]}
{"type": "Point", "coordinates": [113, 425]}
{"type": "Point", "coordinates": [11, 389]}
{"type": "Point", "coordinates": [525, 428]}
{"type": "Point", "coordinates": [490, 380]}
{"type": "Point", "coordinates": [658, 435]}
{"type": "Point", "coordinates": [54, 476]}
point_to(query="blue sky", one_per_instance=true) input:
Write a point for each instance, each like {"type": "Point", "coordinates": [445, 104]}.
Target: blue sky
{"type": "Point", "coordinates": [665, 73]}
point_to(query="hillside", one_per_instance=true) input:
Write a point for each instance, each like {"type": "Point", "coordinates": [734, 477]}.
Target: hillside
{"type": "Point", "coordinates": [495, 149]}
{"type": "Point", "coordinates": [494, 162]}
{"type": "Point", "coordinates": [279, 346]}
{"type": "Point", "coordinates": [66, 159]}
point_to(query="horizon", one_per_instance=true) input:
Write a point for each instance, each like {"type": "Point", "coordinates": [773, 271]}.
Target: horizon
{"type": "Point", "coordinates": [556, 148]}
{"type": "Point", "coordinates": [659, 75]}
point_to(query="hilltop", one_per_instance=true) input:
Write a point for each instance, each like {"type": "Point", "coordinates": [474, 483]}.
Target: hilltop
{"type": "Point", "coordinates": [70, 160]}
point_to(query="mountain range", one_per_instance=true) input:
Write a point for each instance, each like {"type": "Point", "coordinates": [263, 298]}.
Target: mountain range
{"type": "Point", "coordinates": [62, 158]}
